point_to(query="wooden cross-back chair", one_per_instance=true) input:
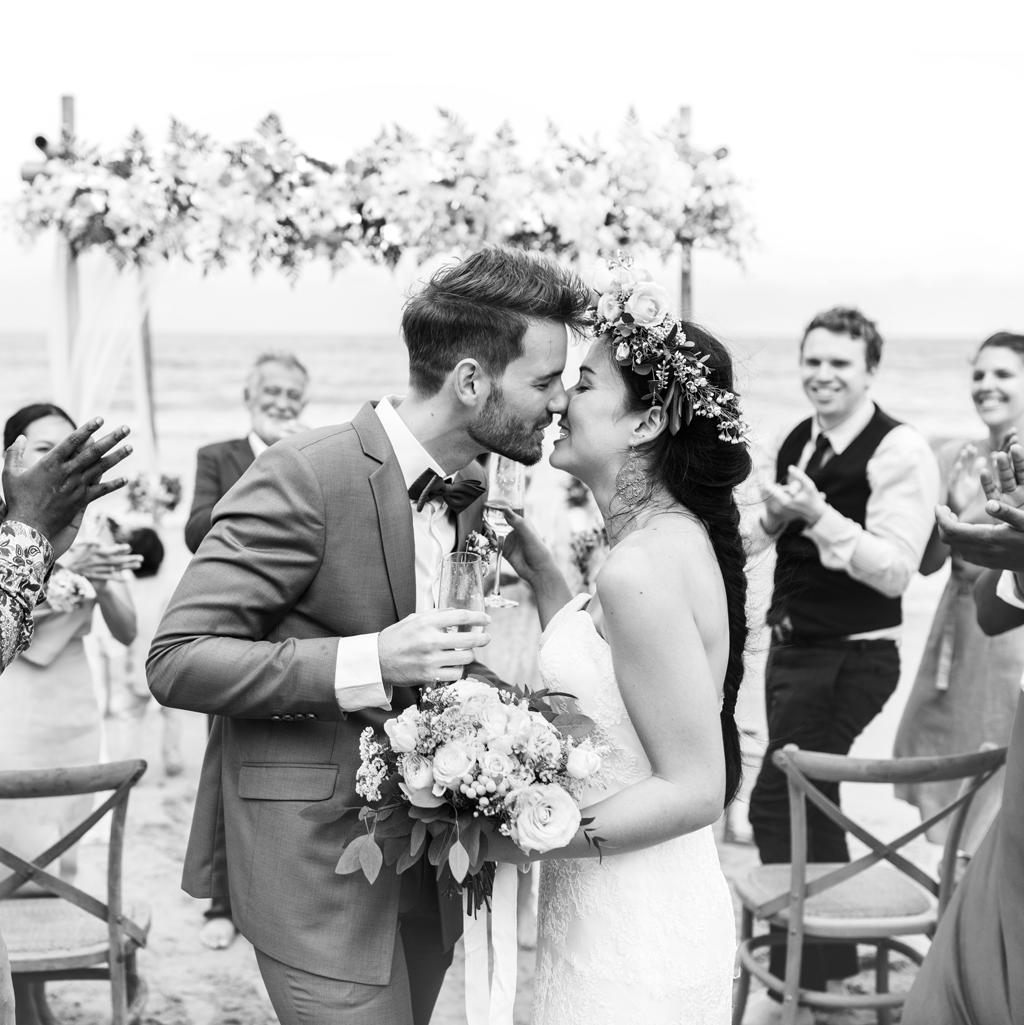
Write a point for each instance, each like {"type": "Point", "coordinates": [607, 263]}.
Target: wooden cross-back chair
{"type": "Point", "coordinates": [870, 900]}
{"type": "Point", "coordinates": [66, 933]}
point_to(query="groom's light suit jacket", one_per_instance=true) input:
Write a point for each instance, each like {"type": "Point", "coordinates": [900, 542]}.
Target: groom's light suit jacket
{"type": "Point", "coordinates": [315, 542]}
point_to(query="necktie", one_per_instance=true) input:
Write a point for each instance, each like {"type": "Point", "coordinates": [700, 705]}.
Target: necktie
{"type": "Point", "coordinates": [822, 450]}
{"type": "Point", "coordinates": [457, 495]}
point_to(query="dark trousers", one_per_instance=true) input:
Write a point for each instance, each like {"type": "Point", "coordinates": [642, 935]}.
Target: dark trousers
{"type": "Point", "coordinates": [418, 968]}
{"type": "Point", "coordinates": [819, 698]}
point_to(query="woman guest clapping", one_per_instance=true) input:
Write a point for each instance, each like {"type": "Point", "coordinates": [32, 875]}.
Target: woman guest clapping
{"type": "Point", "coordinates": [967, 684]}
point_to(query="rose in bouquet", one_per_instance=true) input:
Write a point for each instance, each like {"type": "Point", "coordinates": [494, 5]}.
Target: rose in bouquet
{"type": "Point", "coordinates": [469, 761]}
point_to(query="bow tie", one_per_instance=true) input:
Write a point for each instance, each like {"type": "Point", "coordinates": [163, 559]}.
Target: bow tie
{"type": "Point", "coordinates": [457, 496]}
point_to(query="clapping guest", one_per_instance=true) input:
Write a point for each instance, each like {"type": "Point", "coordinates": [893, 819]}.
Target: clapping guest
{"type": "Point", "coordinates": [849, 513]}
{"type": "Point", "coordinates": [50, 712]}
{"type": "Point", "coordinates": [966, 688]}
{"type": "Point", "coordinates": [40, 513]}
{"type": "Point", "coordinates": [971, 974]}
{"type": "Point", "coordinates": [275, 396]}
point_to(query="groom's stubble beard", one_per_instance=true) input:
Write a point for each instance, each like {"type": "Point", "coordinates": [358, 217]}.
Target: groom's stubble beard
{"type": "Point", "coordinates": [499, 430]}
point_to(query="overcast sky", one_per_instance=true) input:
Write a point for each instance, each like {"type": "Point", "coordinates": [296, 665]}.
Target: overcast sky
{"type": "Point", "coordinates": [881, 144]}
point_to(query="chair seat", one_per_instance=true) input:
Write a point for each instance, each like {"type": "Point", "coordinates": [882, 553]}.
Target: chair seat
{"type": "Point", "coordinates": [51, 934]}
{"type": "Point", "coordinates": [881, 900]}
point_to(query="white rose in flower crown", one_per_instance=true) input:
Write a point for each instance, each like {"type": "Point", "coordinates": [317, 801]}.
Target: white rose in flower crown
{"type": "Point", "coordinates": [608, 308]}
{"type": "Point", "coordinates": [403, 732]}
{"type": "Point", "coordinates": [452, 761]}
{"type": "Point", "coordinates": [648, 304]}
{"type": "Point", "coordinates": [583, 761]}
{"type": "Point", "coordinates": [544, 818]}
{"type": "Point", "coordinates": [417, 771]}
{"type": "Point", "coordinates": [611, 279]}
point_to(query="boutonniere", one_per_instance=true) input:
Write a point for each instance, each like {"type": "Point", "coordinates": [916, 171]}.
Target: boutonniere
{"type": "Point", "coordinates": [480, 544]}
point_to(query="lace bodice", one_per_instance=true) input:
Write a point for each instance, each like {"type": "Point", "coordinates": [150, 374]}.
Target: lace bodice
{"type": "Point", "coordinates": [647, 936]}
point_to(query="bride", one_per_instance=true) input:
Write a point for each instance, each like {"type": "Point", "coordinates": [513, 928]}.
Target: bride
{"type": "Point", "coordinates": [646, 931]}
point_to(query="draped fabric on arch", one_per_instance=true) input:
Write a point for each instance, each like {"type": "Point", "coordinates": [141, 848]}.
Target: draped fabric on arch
{"type": "Point", "coordinates": [96, 344]}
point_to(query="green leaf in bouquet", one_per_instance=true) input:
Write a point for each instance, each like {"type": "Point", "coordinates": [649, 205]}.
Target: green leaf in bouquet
{"type": "Point", "coordinates": [417, 839]}
{"type": "Point", "coordinates": [405, 862]}
{"type": "Point", "coordinates": [441, 840]}
{"type": "Point", "coordinates": [370, 859]}
{"type": "Point", "coordinates": [469, 836]}
{"type": "Point", "coordinates": [442, 813]}
{"type": "Point", "coordinates": [574, 724]}
{"type": "Point", "coordinates": [349, 861]}
{"type": "Point", "coordinates": [394, 847]}
{"type": "Point", "coordinates": [391, 825]}
{"type": "Point", "coordinates": [458, 861]}
{"type": "Point", "coordinates": [367, 814]}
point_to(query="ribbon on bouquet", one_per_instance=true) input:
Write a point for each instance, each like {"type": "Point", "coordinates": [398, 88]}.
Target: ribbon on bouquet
{"type": "Point", "coordinates": [491, 994]}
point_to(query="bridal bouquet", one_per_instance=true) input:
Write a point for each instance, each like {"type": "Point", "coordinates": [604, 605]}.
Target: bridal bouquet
{"type": "Point", "coordinates": [466, 763]}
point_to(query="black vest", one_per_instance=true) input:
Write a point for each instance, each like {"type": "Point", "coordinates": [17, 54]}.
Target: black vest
{"type": "Point", "coordinates": [822, 603]}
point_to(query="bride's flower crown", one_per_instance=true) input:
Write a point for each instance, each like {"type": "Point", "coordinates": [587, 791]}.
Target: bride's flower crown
{"type": "Point", "coordinates": [651, 342]}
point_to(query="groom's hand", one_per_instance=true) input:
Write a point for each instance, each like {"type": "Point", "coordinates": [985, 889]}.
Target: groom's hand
{"type": "Point", "coordinates": [430, 647]}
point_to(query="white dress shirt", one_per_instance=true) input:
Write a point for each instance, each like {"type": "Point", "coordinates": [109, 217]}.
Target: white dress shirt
{"type": "Point", "coordinates": [357, 674]}
{"type": "Point", "coordinates": [903, 478]}
{"type": "Point", "coordinates": [256, 443]}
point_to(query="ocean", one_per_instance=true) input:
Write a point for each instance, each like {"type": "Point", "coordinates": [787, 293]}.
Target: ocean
{"type": "Point", "coordinates": [199, 379]}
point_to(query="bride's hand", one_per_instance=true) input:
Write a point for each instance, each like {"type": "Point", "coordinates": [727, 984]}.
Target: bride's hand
{"type": "Point", "coordinates": [524, 550]}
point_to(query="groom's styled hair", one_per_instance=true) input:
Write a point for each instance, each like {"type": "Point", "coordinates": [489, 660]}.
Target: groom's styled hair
{"type": "Point", "coordinates": [480, 308]}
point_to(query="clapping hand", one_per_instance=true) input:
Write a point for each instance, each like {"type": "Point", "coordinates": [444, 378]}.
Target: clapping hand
{"type": "Point", "coordinates": [797, 499]}
{"type": "Point", "coordinates": [51, 496]}
{"type": "Point", "coordinates": [100, 563]}
{"type": "Point", "coordinates": [962, 483]}
{"type": "Point", "coordinates": [995, 545]}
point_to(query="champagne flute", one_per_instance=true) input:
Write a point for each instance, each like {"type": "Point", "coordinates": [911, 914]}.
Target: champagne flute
{"type": "Point", "coordinates": [462, 587]}
{"type": "Point", "coordinates": [506, 485]}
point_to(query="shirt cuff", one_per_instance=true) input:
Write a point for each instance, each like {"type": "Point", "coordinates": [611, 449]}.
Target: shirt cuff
{"type": "Point", "coordinates": [357, 675]}
{"type": "Point", "coordinates": [1007, 590]}
{"type": "Point", "coordinates": [832, 530]}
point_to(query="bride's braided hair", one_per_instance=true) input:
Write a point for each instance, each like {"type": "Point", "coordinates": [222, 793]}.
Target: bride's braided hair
{"type": "Point", "coordinates": [701, 470]}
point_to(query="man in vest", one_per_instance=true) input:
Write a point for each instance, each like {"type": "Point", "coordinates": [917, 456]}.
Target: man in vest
{"type": "Point", "coordinates": [850, 513]}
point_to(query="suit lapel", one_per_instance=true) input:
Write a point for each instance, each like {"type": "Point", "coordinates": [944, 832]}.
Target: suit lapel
{"type": "Point", "coordinates": [394, 516]}
{"type": "Point", "coordinates": [241, 456]}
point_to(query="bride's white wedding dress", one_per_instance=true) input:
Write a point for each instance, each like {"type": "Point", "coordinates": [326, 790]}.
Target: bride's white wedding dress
{"type": "Point", "coordinates": [647, 937]}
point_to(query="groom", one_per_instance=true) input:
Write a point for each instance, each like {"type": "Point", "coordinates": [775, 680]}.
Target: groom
{"type": "Point", "coordinates": [307, 615]}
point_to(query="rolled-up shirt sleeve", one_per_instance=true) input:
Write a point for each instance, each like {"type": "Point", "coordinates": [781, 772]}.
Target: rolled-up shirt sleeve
{"type": "Point", "coordinates": [357, 675]}
{"type": "Point", "coordinates": [26, 559]}
{"type": "Point", "coordinates": [886, 552]}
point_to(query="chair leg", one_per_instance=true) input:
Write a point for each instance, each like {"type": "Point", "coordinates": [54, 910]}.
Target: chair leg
{"type": "Point", "coordinates": [30, 1006]}
{"type": "Point", "coordinates": [882, 980]}
{"type": "Point", "coordinates": [741, 991]}
{"type": "Point", "coordinates": [118, 991]}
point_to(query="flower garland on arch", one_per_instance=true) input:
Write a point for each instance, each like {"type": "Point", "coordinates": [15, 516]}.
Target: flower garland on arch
{"type": "Point", "coordinates": [266, 201]}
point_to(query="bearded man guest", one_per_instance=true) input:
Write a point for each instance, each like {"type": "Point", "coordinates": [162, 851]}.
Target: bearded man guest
{"type": "Point", "coordinates": [308, 614]}
{"type": "Point", "coordinates": [850, 513]}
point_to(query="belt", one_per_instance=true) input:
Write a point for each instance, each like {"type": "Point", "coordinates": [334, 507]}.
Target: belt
{"type": "Point", "coordinates": [783, 634]}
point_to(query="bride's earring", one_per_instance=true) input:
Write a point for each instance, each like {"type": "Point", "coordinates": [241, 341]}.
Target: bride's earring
{"type": "Point", "coordinates": [632, 484]}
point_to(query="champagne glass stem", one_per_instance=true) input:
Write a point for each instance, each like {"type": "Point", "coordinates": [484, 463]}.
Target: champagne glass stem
{"type": "Point", "coordinates": [499, 544]}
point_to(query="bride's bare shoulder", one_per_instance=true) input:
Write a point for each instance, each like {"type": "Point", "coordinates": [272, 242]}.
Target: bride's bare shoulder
{"type": "Point", "coordinates": [656, 562]}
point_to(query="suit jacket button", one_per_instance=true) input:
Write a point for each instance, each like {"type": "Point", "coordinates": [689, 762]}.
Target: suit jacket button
{"type": "Point", "coordinates": [275, 717]}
